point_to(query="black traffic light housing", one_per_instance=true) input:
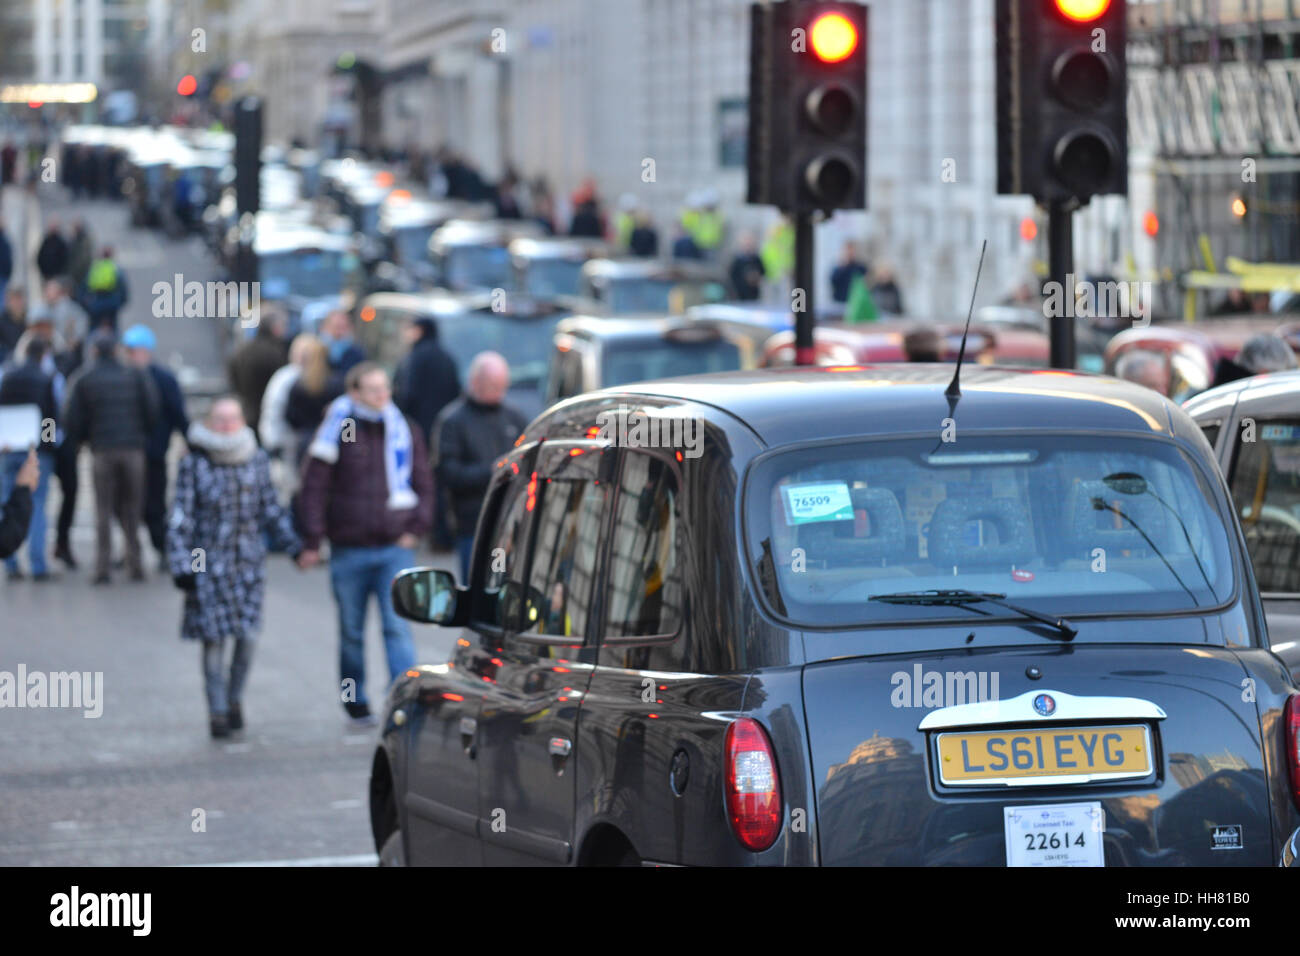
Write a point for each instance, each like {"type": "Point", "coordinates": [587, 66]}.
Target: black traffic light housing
{"type": "Point", "coordinates": [807, 146]}
{"type": "Point", "coordinates": [1061, 99]}
{"type": "Point", "coordinates": [248, 154]}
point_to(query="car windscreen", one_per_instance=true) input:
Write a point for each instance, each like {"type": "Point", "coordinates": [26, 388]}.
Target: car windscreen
{"type": "Point", "coordinates": [1062, 524]}
{"type": "Point", "coordinates": [411, 244]}
{"type": "Point", "coordinates": [525, 343]}
{"type": "Point", "coordinates": [550, 277]}
{"type": "Point", "coordinates": [314, 272]}
{"type": "Point", "coordinates": [632, 295]}
{"type": "Point", "coordinates": [476, 267]}
{"type": "Point", "coordinates": [639, 361]}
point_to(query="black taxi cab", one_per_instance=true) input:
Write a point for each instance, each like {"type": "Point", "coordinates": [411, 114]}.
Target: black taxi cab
{"type": "Point", "coordinates": [848, 616]}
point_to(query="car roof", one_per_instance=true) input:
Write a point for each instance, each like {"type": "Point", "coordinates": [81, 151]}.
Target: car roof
{"type": "Point", "coordinates": [629, 328]}
{"type": "Point", "coordinates": [556, 247]}
{"type": "Point", "coordinates": [476, 232]}
{"type": "Point", "coordinates": [439, 302]}
{"type": "Point", "coordinates": [649, 268]}
{"type": "Point", "coordinates": [1267, 394]}
{"type": "Point", "coordinates": [785, 406]}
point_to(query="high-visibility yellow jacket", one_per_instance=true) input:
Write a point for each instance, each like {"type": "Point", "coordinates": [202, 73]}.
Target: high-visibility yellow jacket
{"type": "Point", "coordinates": [778, 252]}
{"type": "Point", "coordinates": [704, 226]}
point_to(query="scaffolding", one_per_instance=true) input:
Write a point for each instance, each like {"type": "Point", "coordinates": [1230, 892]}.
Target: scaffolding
{"type": "Point", "coordinates": [1214, 122]}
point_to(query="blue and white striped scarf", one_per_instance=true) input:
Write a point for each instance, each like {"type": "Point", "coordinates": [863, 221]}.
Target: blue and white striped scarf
{"type": "Point", "coordinates": [397, 445]}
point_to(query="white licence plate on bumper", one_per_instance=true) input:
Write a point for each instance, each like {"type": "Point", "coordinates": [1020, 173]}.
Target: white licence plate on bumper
{"type": "Point", "coordinates": [1063, 834]}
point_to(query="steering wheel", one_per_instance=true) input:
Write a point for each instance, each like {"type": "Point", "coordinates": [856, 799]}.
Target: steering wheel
{"type": "Point", "coordinates": [1276, 515]}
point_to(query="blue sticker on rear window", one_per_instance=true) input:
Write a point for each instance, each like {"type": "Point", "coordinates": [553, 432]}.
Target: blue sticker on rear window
{"type": "Point", "coordinates": [1279, 432]}
{"type": "Point", "coordinates": [822, 501]}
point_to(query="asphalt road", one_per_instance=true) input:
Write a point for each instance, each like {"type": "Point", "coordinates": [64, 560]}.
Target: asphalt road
{"type": "Point", "coordinates": [133, 785]}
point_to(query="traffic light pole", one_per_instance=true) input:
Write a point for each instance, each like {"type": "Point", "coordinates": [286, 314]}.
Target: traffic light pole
{"type": "Point", "coordinates": [805, 281]}
{"type": "Point", "coordinates": [1060, 258]}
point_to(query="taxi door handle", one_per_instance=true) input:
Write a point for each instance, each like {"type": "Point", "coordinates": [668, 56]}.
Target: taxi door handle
{"type": "Point", "coordinates": [559, 746]}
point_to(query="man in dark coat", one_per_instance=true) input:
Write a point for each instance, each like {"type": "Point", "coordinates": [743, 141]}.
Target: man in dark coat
{"type": "Point", "coordinates": [427, 381]}
{"type": "Point", "coordinates": [6, 261]}
{"type": "Point", "coordinates": [849, 268]}
{"type": "Point", "coordinates": [254, 362]}
{"type": "Point", "coordinates": [13, 320]}
{"type": "Point", "coordinates": [225, 504]}
{"type": "Point", "coordinates": [140, 344]}
{"type": "Point", "coordinates": [644, 240]}
{"type": "Point", "coordinates": [28, 383]}
{"type": "Point", "coordinates": [366, 486]}
{"type": "Point", "coordinates": [470, 434]}
{"type": "Point", "coordinates": [53, 253]}
{"type": "Point", "coordinates": [114, 408]}
{"type": "Point", "coordinates": [746, 270]}
{"type": "Point", "coordinates": [8, 164]}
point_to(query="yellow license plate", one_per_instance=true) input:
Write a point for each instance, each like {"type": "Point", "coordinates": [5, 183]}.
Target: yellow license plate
{"type": "Point", "coordinates": [1059, 754]}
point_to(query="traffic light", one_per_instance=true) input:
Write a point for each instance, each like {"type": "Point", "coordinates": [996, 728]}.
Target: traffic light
{"type": "Point", "coordinates": [808, 106]}
{"type": "Point", "coordinates": [248, 154]}
{"type": "Point", "coordinates": [1061, 98]}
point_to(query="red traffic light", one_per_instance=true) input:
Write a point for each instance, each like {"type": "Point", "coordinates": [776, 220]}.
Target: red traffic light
{"type": "Point", "coordinates": [1028, 229]}
{"type": "Point", "coordinates": [1150, 223]}
{"type": "Point", "coordinates": [834, 37]}
{"type": "Point", "coordinates": [187, 85]}
{"type": "Point", "coordinates": [1082, 11]}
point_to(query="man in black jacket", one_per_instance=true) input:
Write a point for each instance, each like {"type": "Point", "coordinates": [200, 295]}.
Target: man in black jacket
{"type": "Point", "coordinates": [140, 343]}
{"type": "Point", "coordinates": [427, 382]}
{"type": "Point", "coordinates": [254, 362]}
{"type": "Point", "coordinates": [52, 255]}
{"type": "Point", "coordinates": [28, 383]}
{"type": "Point", "coordinates": [114, 408]}
{"type": "Point", "coordinates": [470, 434]}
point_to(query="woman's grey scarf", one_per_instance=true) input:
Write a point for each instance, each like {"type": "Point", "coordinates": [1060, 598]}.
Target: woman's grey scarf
{"type": "Point", "coordinates": [232, 449]}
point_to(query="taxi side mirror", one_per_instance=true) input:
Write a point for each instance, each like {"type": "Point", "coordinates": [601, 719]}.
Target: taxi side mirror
{"type": "Point", "coordinates": [430, 596]}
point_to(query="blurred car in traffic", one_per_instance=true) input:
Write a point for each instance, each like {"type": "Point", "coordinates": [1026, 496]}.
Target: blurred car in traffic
{"type": "Point", "coordinates": [641, 286]}
{"type": "Point", "coordinates": [406, 224]}
{"type": "Point", "coordinates": [518, 327]}
{"type": "Point", "coordinates": [1187, 356]}
{"type": "Point", "coordinates": [303, 267]}
{"type": "Point", "coordinates": [548, 266]}
{"type": "Point", "coordinates": [474, 254]}
{"type": "Point", "coordinates": [1253, 424]}
{"type": "Point", "coordinates": [593, 352]}
{"type": "Point", "coordinates": [883, 341]}
{"type": "Point", "coordinates": [701, 609]}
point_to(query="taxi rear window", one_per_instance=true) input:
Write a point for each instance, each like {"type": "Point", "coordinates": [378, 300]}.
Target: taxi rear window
{"type": "Point", "coordinates": [1063, 524]}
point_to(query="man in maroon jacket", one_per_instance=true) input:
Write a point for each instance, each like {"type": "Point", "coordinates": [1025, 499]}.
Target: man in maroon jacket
{"type": "Point", "coordinates": [366, 486]}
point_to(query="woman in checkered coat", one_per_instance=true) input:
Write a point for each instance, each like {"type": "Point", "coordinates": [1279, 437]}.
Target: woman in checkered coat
{"type": "Point", "coordinates": [224, 506]}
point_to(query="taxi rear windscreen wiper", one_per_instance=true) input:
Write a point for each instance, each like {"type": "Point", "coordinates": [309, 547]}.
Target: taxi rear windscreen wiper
{"type": "Point", "coordinates": [958, 597]}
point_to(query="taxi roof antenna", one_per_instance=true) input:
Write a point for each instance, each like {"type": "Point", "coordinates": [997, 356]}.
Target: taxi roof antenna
{"type": "Point", "coordinates": [953, 391]}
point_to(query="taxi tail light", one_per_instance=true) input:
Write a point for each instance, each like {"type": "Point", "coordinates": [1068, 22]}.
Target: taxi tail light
{"type": "Point", "coordinates": [753, 785]}
{"type": "Point", "coordinates": [1291, 721]}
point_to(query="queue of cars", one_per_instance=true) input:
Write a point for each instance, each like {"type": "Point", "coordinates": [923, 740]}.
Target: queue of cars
{"type": "Point", "coordinates": [798, 626]}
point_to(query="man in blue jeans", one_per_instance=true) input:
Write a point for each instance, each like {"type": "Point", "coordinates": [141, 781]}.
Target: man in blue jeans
{"type": "Point", "coordinates": [366, 485]}
{"type": "Point", "coordinates": [29, 383]}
